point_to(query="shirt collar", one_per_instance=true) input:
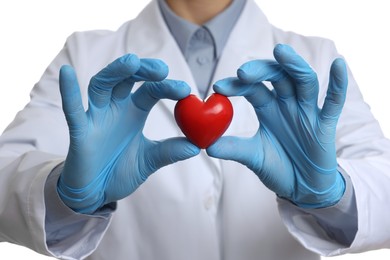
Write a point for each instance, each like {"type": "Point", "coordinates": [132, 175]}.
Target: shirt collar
{"type": "Point", "coordinates": [219, 27]}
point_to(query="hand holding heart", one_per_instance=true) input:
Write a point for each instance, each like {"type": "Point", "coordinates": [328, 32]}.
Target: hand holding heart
{"type": "Point", "coordinates": [293, 152]}
{"type": "Point", "coordinates": [109, 157]}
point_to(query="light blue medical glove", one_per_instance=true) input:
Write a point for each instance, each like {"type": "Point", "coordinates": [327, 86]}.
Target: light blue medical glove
{"type": "Point", "coordinates": [293, 152]}
{"type": "Point", "coordinates": [109, 157]}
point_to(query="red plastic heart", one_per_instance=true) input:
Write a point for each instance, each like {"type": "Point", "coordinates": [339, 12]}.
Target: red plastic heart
{"type": "Point", "coordinates": [203, 122]}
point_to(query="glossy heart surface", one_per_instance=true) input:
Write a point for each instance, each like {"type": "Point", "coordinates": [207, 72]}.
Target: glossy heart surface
{"type": "Point", "coordinates": [203, 122]}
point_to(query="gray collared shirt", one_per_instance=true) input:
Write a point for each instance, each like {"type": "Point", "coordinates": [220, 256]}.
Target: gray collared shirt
{"type": "Point", "coordinates": [202, 45]}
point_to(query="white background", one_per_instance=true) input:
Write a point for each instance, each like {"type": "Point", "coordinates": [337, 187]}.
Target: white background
{"type": "Point", "coordinates": [33, 32]}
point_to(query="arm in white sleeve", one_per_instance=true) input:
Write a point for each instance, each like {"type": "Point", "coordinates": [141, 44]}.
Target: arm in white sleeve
{"type": "Point", "coordinates": [358, 222]}
{"type": "Point", "coordinates": [325, 228]}
{"type": "Point", "coordinates": [35, 143]}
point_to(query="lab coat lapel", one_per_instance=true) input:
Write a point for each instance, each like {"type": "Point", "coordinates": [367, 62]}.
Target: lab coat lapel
{"type": "Point", "coordinates": [244, 43]}
{"type": "Point", "coordinates": [149, 37]}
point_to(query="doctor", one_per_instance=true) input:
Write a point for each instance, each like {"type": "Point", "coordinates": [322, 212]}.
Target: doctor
{"type": "Point", "coordinates": [95, 165]}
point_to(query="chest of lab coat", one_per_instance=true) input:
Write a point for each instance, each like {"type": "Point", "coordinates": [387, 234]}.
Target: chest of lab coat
{"type": "Point", "coordinates": [201, 208]}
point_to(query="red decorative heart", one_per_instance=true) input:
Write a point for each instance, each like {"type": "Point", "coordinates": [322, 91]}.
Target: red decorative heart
{"type": "Point", "coordinates": [203, 122]}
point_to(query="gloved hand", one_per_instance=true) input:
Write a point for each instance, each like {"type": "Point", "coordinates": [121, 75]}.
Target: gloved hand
{"type": "Point", "coordinates": [293, 152]}
{"type": "Point", "coordinates": [109, 157]}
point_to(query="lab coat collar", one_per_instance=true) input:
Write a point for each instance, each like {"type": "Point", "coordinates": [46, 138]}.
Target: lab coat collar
{"type": "Point", "coordinates": [153, 40]}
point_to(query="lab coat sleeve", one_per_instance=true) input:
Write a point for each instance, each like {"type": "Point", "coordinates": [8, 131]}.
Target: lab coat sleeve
{"type": "Point", "coordinates": [363, 155]}
{"type": "Point", "coordinates": [32, 149]}
{"type": "Point", "coordinates": [64, 227]}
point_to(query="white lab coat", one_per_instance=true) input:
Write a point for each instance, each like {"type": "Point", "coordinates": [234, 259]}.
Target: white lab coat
{"type": "Point", "coordinates": [201, 208]}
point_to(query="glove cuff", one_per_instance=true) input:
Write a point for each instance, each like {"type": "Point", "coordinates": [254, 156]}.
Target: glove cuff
{"type": "Point", "coordinates": [322, 199]}
{"type": "Point", "coordinates": [84, 200]}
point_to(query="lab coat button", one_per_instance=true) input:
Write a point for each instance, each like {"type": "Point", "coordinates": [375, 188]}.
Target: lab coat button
{"type": "Point", "coordinates": [208, 203]}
